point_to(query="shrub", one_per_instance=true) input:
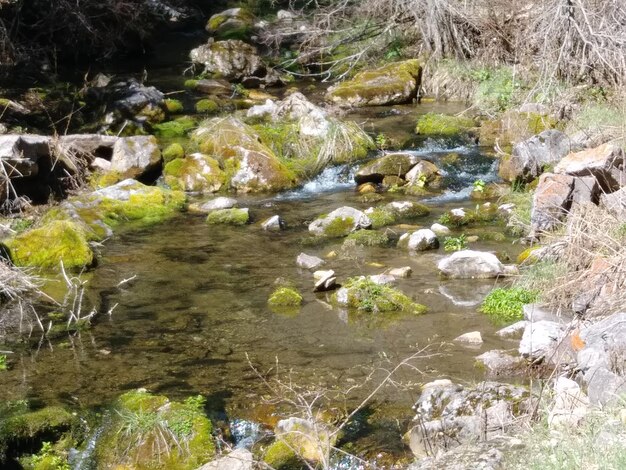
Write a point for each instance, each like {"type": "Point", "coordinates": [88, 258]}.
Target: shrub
{"type": "Point", "coordinates": [504, 305]}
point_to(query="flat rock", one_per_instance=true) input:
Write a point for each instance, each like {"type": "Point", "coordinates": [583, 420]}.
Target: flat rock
{"type": "Point", "coordinates": [305, 261]}
{"type": "Point", "coordinates": [402, 272]}
{"type": "Point", "coordinates": [473, 337]}
{"type": "Point", "coordinates": [466, 264]}
{"type": "Point", "coordinates": [500, 363]}
{"type": "Point", "coordinates": [324, 280]}
{"type": "Point", "coordinates": [604, 163]}
{"type": "Point", "coordinates": [516, 330]}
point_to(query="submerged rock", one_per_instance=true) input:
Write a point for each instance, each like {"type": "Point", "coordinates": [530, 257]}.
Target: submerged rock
{"type": "Point", "coordinates": [229, 217]}
{"type": "Point", "coordinates": [395, 83]}
{"type": "Point", "coordinates": [364, 294]}
{"type": "Point", "coordinates": [396, 212]}
{"type": "Point", "coordinates": [467, 264]}
{"type": "Point", "coordinates": [273, 224]}
{"type": "Point", "coordinates": [305, 261]}
{"type": "Point", "coordinates": [340, 222]}
{"type": "Point", "coordinates": [444, 125]}
{"type": "Point", "coordinates": [473, 338]}
{"type": "Point", "coordinates": [403, 272]}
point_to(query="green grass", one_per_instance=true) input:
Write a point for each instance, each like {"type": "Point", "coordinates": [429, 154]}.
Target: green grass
{"type": "Point", "coordinates": [504, 305]}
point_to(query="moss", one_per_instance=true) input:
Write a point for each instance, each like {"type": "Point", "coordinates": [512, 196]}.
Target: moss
{"type": "Point", "coordinates": [49, 245]}
{"type": "Point", "coordinates": [480, 215]}
{"type": "Point", "coordinates": [21, 428]}
{"type": "Point", "coordinates": [176, 128]}
{"type": "Point", "coordinates": [339, 227]}
{"type": "Point", "coordinates": [103, 179]}
{"type": "Point", "coordinates": [198, 173]}
{"type": "Point", "coordinates": [432, 124]}
{"type": "Point", "coordinates": [191, 84]}
{"type": "Point", "coordinates": [285, 297]}
{"type": "Point", "coordinates": [505, 305]}
{"type": "Point", "coordinates": [365, 295]}
{"type": "Point", "coordinates": [388, 215]}
{"type": "Point", "coordinates": [369, 238]}
{"type": "Point", "coordinates": [228, 217]}
{"type": "Point", "coordinates": [207, 106]}
{"type": "Point", "coordinates": [150, 432]}
{"type": "Point", "coordinates": [173, 106]}
{"type": "Point", "coordinates": [280, 456]}
{"type": "Point", "coordinates": [172, 152]}
{"type": "Point", "coordinates": [526, 256]}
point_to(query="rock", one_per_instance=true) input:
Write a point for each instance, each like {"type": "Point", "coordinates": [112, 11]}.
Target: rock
{"type": "Point", "coordinates": [382, 279]}
{"type": "Point", "coordinates": [216, 204]}
{"type": "Point", "coordinates": [213, 86]}
{"type": "Point", "coordinates": [198, 173]}
{"type": "Point", "coordinates": [310, 441]}
{"type": "Point", "coordinates": [395, 83]}
{"type": "Point", "coordinates": [570, 404]}
{"type": "Point", "coordinates": [273, 224]}
{"type": "Point", "coordinates": [537, 312]}
{"type": "Point", "coordinates": [466, 264]}
{"type": "Point", "coordinates": [422, 240]}
{"type": "Point", "coordinates": [238, 459]}
{"type": "Point", "coordinates": [229, 217]}
{"type": "Point", "coordinates": [305, 261]}
{"type": "Point", "coordinates": [253, 166]}
{"type": "Point", "coordinates": [136, 157]}
{"type": "Point", "coordinates": [516, 330]}
{"type": "Point", "coordinates": [440, 229]}
{"type": "Point", "coordinates": [540, 340]}
{"type": "Point", "coordinates": [285, 297]}
{"type": "Point", "coordinates": [506, 209]}
{"type": "Point", "coordinates": [604, 163]}
{"type": "Point", "coordinates": [396, 212]}
{"type": "Point", "coordinates": [448, 415]}
{"type": "Point", "coordinates": [235, 23]}
{"type": "Point", "coordinates": [444, 125]}
{"type": "Point", "coordinates": [232, 60]}
{"type": "Point", "coordinates": [602, 359]}
{"type": "Point", "coordinates": [340, 222]}
{"type": "Point", "coordinates": [551, 202]}
{"type": "Point", "coordinates": [424, 174]}
{"type": "Point", "coordinates": [473, 337]}
{"type": "Point", "coordinates": [402, 272]}
{"type": "Point", "coordinates": [531, 157]}
{"type": "Point", "coordinates": [615, 203]}
{"type": "Point", "coordinates": [392, 164]}
{"type": "Point", "coordinates": [262, 111]}
{"type": "Point", "coordinates": [364, 294]}
{"type": "Point", "coordinates": [499, 363]}
{"type": "Point", "coordinates": [20, 154]}
{"type": "Point", "coordinates": [324, 280]}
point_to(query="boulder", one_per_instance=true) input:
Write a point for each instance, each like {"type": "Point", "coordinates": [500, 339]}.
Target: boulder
{"type": "Point", "coordinates": [472, 338]}
{"type": "Point", "coordinates": [424, 174]}
{"type": "Point", "coordinates": [392, 164]}
{"type": "Point", "coordinates": [365, 294]}
{"type": "Point", "coordinates": [198, 173]}
{"type": "Point", "coordinates": [440, 229]}
{"type": "Point", "coordinates": [448, 415]}
{"type": "Point", "coordinates": [541, 339]}
{"type": "Point", "coordinates": [615, 203]}
{"type": "Point", "coordinates": [238, 459]}
{"type": "Point", "coordinates": [499, 363]}
{"type": "Point", "coordinates": [445, 125]}
{"type": "Point", "coordinates": [234, 23]}
{"type": "Point", "coordinates": [396, 212]}
{"type": "Point", "coordinates": [136, 157]}
{"type": "Point", "coordinates": [466, 264]}
{"type": "Point", "coordinates": [605, 163]}
{"type": "Point", "coordinates": [551, 202]}
{"type": "Point", "coordinates": [602, 360]}
{"type": "Point", "coordinates": [305, 261]}
{"type": "Point", "coordinates": [421, 240]}
{"type": "Point", "coordinates": [273, 224]}
{"type": "Point", "coordinates": [531, 157]}
{"type": "Point", "coordinates": [395, 83]}
{"type": "Point", "coordinates": [232, 60]}
{"type": "Point", "coordinates": [570, 404]}
{"type": "Point", "coordinates": [340, 222]}
{"type": "Point", "coordinates": [229, 217]}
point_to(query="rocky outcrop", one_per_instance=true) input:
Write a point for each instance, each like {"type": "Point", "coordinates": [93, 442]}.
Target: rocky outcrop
{"type": "Point", "coordinates": [392, 84]}
{"type": "Point", "coordinates": [533, 156]}
{"type": "Point", "coordinates": [468, 264]}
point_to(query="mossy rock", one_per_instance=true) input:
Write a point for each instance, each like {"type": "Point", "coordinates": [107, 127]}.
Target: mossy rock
{"type": "Point", "coordinates": [363, 294]}
{"type": "Point", "coordinates": [368, 238]}
{"type": "Point", "coordinates": [22, 430]}
{"type": "Point", "coordinates": [192, 83]}
{"type": "Point", "coordinates": [397, 212]}
{"type": "Point", "coordinates": [285, 300]}
{"type": "Point", "coordinates": [148, 431]}
{"type": "Point", "coordinates": [207, 106]}
{"type": "Point", "coordinates": [236, 23]}
{"type": "Point", "coordinates": [394, 83]}
{"type": "Point", "coordinates": [197, 173]}
{"type": "Point", "coordinates": [233, 216]}
{"type": "Point", "coordinates": [172, 152]}
{"type": "Point", "coordinates": [47, 246]}
{"type": "Point", "coordinates": [444, 125]}
{"type": "Point", "coordinates": [174, 106]}
{"type": "Point", "coordinates": [514, 126]}
{"type": "Point", "coordinates": [527, 257]}
{"type": "Point", "coordinates": [484, 214]}
{"type": "Point", "coordinates": [280, 456]}
{"type": "Point", "coordinates": [179, 127]}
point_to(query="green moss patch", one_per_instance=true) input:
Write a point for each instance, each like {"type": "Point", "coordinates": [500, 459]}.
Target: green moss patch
{"type": "Point", "coordinates": [285, 297]}
{"type": "Point", "coordinates": [444, 125]}
{"type": "Point", "coordinates": [176, 128]}
{"type": "Point", "coordinates": [207, 106]}
{"type": "Point", "coordinates": [173, 106]}
{"type": "Point", "coordinates": [172, 152]}
{"type": "Point", "coordinates": [198, 173]}
{"type": "Point", "coordinates": [339, 227]}
{"type": "Point", "coordinates": [228, 217]}
{"type": "Point", "coordinates": [280, 456]}
{"type": "Point", "coordinates": [504, 305]}
{"type": "Point", "coordinates": [392, 215]}
{"type": "Point", "coordinates": [364, 294]}
{"type": "Point", "coordinates": [150, 432]}
{"type": "Point", "coordinates": [368, 238]}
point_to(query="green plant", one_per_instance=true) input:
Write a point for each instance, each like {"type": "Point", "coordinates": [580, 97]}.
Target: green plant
{"type": "Point", "coordinates": [479, 185]}
{"type": "Point", "coordinates": [3, 362]}
{"type": "Point", "coordinates": [455, 243]}
{"type": "Point", "coordinates": [240, 90]}
{"type": "Point", "coordinates": [49, 459]}
{"type": "Point", "coordinates": [504, 305]}
{"type": "Point", "coordinates": [381, 141]}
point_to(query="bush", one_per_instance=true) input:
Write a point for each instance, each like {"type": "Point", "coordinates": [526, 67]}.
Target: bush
{"type": "Point", "coordinates": [504, 305]}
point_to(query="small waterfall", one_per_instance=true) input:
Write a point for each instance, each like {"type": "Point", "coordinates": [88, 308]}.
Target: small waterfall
{"type": "Point", "coordinates": [334, 178]}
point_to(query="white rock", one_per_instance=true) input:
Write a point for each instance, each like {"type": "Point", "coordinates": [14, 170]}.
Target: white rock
{"type": "Point", "coordinates": [402, 272]}
{"type": "Point", "coordinates": [423, 239]}
{"type": "Point", "coordinates": [305, 261]}
{"type": "Point", "coordinates": [540, 339]}
{"type": "Point", "coordinates": [273, 224]}
{"type": "Point", "coordinates": [218, 203]}
{"type": "Point", "coordinates": [460, 213]}
{"type": "Point", "coordinates": [513, 331]}
{"type": "Point", "coordinates": [324, 280]}
{"type": "Point", "coordinates": [238, 459]}
{"type": "Point", "coordinates": [473, 337]}
{"type": "Point", "coordinates": [382, 279]}
{"type": "Point", "coordinates": [466, 264]}
{"type": "Point", "coordinates": [440, 229]}
{"type": "Point", "coordinates": [135, 156]}
{"type": "Point", "coordinates": [358, 220]}
{"type": "Point", "coordinates": [262, 110]}
{"type": "Point", "coordinates": [570, 404]}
